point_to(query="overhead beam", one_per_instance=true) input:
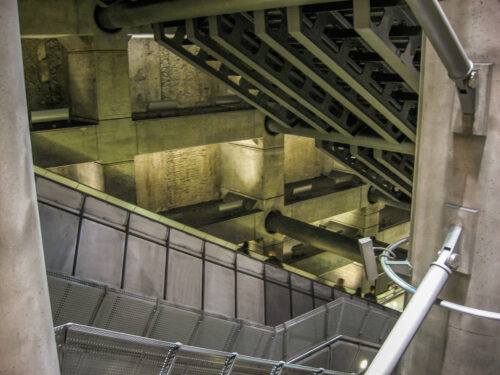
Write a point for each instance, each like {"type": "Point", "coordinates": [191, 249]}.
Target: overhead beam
{"type": "Point", "coordinates": [123, 14]}
{"type": "Point", "coordinates": [362, 141]}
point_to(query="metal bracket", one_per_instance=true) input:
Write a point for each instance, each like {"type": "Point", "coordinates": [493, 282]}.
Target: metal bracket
{"type": "Point", "coordinates": [401, 267]}
{"type": "Point", "coordinates": [468, 219]}
{"type": "Point", "coordinates": [229, 364]}
{"type": "Point", "coordinates": [277, 369]}
{"type": "Point", "coordinates": [470, 110]}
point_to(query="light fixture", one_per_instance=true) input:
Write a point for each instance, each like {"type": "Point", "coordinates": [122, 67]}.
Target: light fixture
{"type": "Point", "coordinates": [363, 364]}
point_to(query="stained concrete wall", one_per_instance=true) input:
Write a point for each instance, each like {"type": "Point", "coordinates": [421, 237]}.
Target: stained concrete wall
{"type": "Point", "coordinates": [302, 159]}
{"type": "Point", "coordinates": [46, 73]}
{"type": "Point", "coordinates": [90, 174]}
{"type": "Point", "coordinates": [177, 178]}
{"type": "Point", "coordinates": [463, 170]}
{"type": "Point", "coordinates": [157, 74]}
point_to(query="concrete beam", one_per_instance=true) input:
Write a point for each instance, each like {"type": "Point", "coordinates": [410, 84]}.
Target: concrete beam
{"type": "Point", "coordinates": [127, 138]}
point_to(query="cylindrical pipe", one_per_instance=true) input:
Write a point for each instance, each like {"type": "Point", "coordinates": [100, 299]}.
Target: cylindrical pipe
{"type": "Point", "coordinates": [437, 28]}
{"type": "Point", "coordinates": [375, 196]}
{"type": "Point", "coordinates": [410, 320]}
{"type": "Point", "coordinates": [319, 238]}
{"type": "Point", "coordinates": [371, 142]}
{"type": "Point", "coordinates": [50, 115]}
{"type": "Point", "coordinates": [27, 343]}
{"type": "Point", "coordinates": [124, 14]}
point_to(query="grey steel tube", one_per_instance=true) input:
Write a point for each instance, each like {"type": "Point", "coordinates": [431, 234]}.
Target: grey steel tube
{"type": "Point", "coordinates": [415, 312]}
{"type": "Point", "coordinates": [375, 196]}
{"type": "Point", "coordinates": [125, 15]}
{"type": "Point", "coordinates": [49, 115]}
{"type": "Point", "coordinates": [409, 322]}
{"type": "Point", "coordinates": [431, 17]}
{"type": "Point", "coordinates": [371, 142]}
{"type": "Point", "coordinates": [320, 238]}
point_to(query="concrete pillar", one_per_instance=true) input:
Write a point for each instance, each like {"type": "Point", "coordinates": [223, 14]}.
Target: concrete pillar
{"type": "Point", "coordinates": [90, 174]}
{"type": "Point", "coordinates": [463, 170]}
{"type": "Point", "coordinates": [27, 344]}
{"type": "Point", "coordinates": [365, 219]}
{"type": "Point", "coordinates": [255, 168]}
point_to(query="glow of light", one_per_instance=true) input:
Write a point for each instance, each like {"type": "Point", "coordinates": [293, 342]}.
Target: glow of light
{"type": "Point", "coordinates": [363, 364]}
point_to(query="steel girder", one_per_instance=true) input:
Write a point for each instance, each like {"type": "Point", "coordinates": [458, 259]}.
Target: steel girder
{"type": "Point", "coordinates": [309, 67]}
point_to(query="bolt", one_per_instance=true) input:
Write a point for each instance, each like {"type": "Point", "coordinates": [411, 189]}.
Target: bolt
{"type": "Point", "coordinates": [472, 80]}
{"type": "Point", "coordinates": [454, 261]}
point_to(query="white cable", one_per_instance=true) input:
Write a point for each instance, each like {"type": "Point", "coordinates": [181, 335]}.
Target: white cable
{"type": "Point", "coordinates": [410, 288]}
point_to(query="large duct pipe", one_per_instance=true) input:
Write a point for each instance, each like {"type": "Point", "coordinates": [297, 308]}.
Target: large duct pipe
{"type": "Point", "coordinates": [319, 238]}
{"type": "Point", "coordinates": [124, 14]}
{"type": "Point", "coordinates": [370, 142]}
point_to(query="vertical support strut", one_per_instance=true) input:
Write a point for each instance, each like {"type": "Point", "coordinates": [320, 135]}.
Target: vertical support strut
{"type": "Point", "coordinates": [419, 306]}
{"type": "Point", "coordinates": [169, 362]}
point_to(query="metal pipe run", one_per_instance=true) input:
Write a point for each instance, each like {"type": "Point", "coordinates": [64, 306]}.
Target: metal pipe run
{"type": "Point", "coordinates": [361, 141]}
{"type": "Point", "coordinates": [437, 28]}
{"type": "Point", "coordinates": [417, 309]}
{"type": "Point", "coordinates": [126, 14]}
{"type": "Point", "coordinates": [50, 115]}
{"type": "Point", "coordinates": [318, 237]}
{"type": "Point", "coordinates": [375, 196]}
{"type": "Point", "coordinates": [431, 17]}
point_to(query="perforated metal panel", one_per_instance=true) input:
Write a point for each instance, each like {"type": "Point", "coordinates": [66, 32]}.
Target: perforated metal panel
{"type": "Point", "coordinates": [250, 298]}
{"type": "Point", "coordinates": [173, 324]}
{"type": "Point", "coordinates": [144, 267]}
{"type": "Point", "coordinates": [184, 279]}
{"type": "Point", "coordinates": [305, 332]}
{"type": "Point", "coordinates": [59, 234]}
{"type": "Point", "coordinates": [277, 304]}
{"type": "Point", "coordinates": [122, 313]}
{"type": "Point", "coordinates": [100, 254]}
{"type": "Point", "coordinates": [219, 289]}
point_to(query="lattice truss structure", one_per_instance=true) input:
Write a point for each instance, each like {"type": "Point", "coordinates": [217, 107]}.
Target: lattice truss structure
{"type": "Point", "coordinates": [346, 67]}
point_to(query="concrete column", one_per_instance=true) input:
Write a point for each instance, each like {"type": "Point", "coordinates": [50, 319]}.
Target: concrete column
{"type": "Point", "coordinates": [463, 170]}
{"type": "Point", "coordinates": [255, 168]}
{"type": "Point", "coordinates": [27, 344]}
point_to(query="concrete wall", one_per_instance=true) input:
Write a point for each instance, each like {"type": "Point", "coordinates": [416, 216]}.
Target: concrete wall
{"type": "Point", "coordinates": [90, 174]}
{"type": "Point", "coordinates": [158, 74]}
{"type": "Point", "coordinates": [463, 170]}
{"type": "Point", "coordinates": [178, 178]}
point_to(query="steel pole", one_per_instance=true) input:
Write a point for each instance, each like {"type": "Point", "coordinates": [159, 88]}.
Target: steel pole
{"type": "Point", "coordinates": [362, 141]}
{"type": "Point", "coordinates": [123, 14]}
{"type": "Point", "coordinates": [27, 343]}
{"type": "Point", "coordinates": [417, 309]}
{"type": "Point", "coordinates": [431, 17]}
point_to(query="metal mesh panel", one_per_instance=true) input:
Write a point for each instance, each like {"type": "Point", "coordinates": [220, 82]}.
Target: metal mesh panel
{"type": "Point", "coordinates": [277, 274]}
{"type": "Point", "coordinates": [299, 282]}
{"type": "Point", "coordinates": [219, 254]}
{"type": "Point", "coordinates": [374, 326]}
{"type": "Point", "coordinates": [301, 303]}
{"type": "Point", "coordinates": [144, 267]}
{"type": "Point", "coordinates": [342, 356]}
{"type": "Point", "coordinates": [72, 302]}
{"type": "Point", "coordinates": [319, 359]}
{"type": "Point", "coordinates": [322, 291]}
{"type": "Point", "coordinates": [250, 265]}
{"type": "Point", "coordinates": [277, 304]}
{"type": "Point", "coordinates": [147, 228]}
{"type": "Point", "coordinates": [253, 341]}
{"type": "Point", "coordinates": [58, 194]}
{"type": "Point", "coordinates": [174, 324]}
{"type": "Point", "coordinates": [246, 367]}
{"type": "Point", "coordinates": [250, 298]}
{"type": "Point", "coordinates": [215, 333]}
{"type": "Point", "coordinates": [184, 279]}
{"type": "Point", "coordinates": [123, 313]}
{"type": "Point", "coordinates": [335, 310]}
{"type": "Point", "coordinates": [59, 232]}
{"type": "Point", "coordinates": [100, 255]}
{"type": "Point", "coordinates": [276, 352]}
{"type": "Point", "coordinates": [352, 318]}
{"type": "Point", "coordinates": [186, 242]}
{"type": "Point", "coordinates": [219, 289]}
{"type": "Point", "coordinates": [105, 211]}
{"type": "Point", "coordinates": [92, 351]}
{"type": "Point", "coordinates": [305, 332]}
